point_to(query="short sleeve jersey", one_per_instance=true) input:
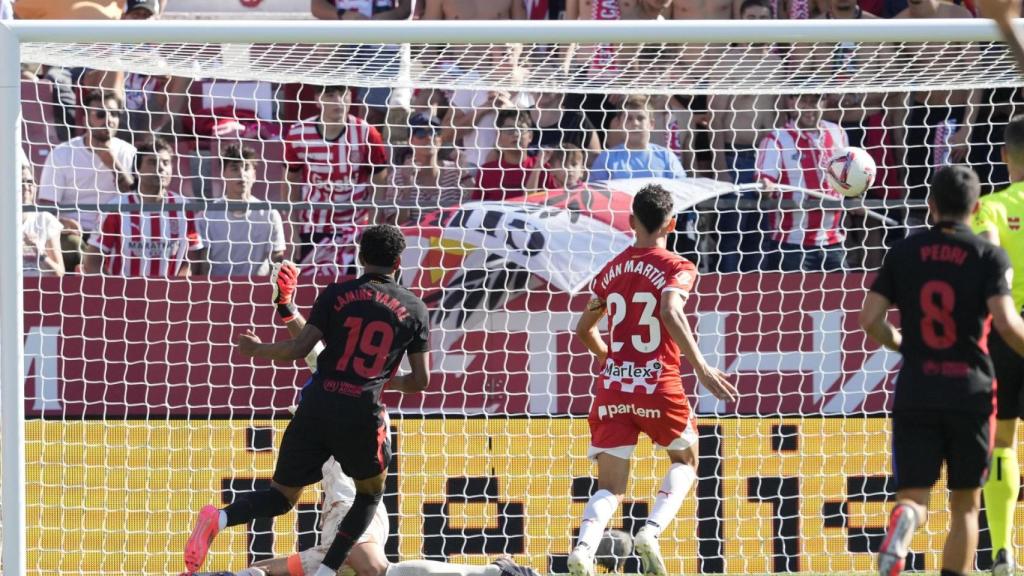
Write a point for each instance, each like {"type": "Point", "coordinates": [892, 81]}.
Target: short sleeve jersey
{"type": "Point", "coordinates": [368, 325]}
{"type": "Point", "coordinates": [642, 356]}
{"type": "Point", "coordinates": [1002, 214]}
{"type": "Point", "coordinates": [941, 280]}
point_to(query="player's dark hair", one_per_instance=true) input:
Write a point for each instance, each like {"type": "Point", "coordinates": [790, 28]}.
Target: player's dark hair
{"type": "Point", "coordinates": [653, 207]}
{"type": "Point", "coordinates": [381, 245]}
{"type": "Point", "coordinates": [342, 88]}
{"type": "Point", "coordinates": [236, 154]}
{"type": "Point", "coordinates": [615, 547]}
{"type": "Point", "coordinates": [954, 191]}
{"type": "Point", "coordinates": [1014, 135]}
{"type": "Point", "coordinates": [752, 3]}
{"type": "Point", "coordinates": [98, 98]}
{"type": "Point", "coordinates": [150, 149]}
{"type": "Point", "coordinates": [522, 118]}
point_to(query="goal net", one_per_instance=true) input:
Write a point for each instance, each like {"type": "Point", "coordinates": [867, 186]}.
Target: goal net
{"type": "Point", "coordinates": [510, 168]}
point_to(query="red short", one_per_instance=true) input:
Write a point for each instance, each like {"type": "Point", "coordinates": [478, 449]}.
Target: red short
{"type": "Point", "coordinates": [617, 419]}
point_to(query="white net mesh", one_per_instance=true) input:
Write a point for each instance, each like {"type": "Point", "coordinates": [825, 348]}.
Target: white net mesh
{"type": "Point", "coordinates": [511, 169]}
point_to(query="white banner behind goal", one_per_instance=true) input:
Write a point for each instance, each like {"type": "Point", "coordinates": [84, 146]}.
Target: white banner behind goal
{"type": "Point", "coordinates": [153, 210]}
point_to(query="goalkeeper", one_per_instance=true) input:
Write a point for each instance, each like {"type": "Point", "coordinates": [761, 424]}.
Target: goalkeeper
{"type": "Point", "coordinates": [367, 556]}
{"type": "Point", "coordinates": [998, 219]}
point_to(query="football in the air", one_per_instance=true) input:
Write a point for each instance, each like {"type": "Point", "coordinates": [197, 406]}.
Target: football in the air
{"type": "Point", "coordinates": [851, 171]}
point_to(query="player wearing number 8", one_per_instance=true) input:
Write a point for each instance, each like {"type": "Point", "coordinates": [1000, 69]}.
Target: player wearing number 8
{"type": "Point", "coordinates": [642, 290]}
{"type": "Point", "coordinates": [368, 326]}
{"type": "Point", "coordinates": [945, 283]}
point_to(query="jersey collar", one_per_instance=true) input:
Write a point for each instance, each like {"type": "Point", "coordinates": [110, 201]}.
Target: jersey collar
{"type": "Point", "coordinates": [953, 226]}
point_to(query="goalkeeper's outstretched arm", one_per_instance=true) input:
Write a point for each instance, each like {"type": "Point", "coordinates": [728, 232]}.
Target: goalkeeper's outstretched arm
{"type": "Point", "coordinates": [284, 278]}
{"type": "Point", "coordinates": [305, 340]}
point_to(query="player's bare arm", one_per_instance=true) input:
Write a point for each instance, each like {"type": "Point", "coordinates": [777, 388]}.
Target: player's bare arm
{"type": "Point", "coordinates": [874, 323]}
{"type": "Point", "coordinates": [674, 318]}
{"type": "Point", "coordinates": [415, 381]}
{"type": "Point", "coordinates": [250, 345]}
{"type": "Point", "coordinates": [1003, 12]}
{"type": "Point", "coordinates": [587, 332]}
{"type": "Point", "coordinates": [1007, 321]}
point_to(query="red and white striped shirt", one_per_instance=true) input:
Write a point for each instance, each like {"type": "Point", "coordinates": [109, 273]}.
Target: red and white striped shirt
{"type": "Point", "coordinates": [336, 171]}
{"type": "Point", "coordinates": [793, 157]}
{"type": "Point", "coordinates": [152, 244]}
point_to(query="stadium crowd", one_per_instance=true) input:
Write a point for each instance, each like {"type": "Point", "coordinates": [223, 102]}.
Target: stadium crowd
{"type": "Point", "coordinates": [384, 155]}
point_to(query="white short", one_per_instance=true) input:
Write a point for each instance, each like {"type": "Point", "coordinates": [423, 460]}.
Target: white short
{"type": "Point", "coordinates": [330, 517]}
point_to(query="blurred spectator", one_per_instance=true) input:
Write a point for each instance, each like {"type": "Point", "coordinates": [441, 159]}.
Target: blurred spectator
{"type": "Point", "coordinates": [361, 9]}
{"type": "Point", "coordinates": [846, 10]}
{"type": "Point", "coordinates": [241, 241]}
{"type": "Point", "coordinates": [934, 127]}
{"type": "Point", "coordinates": [70, 82]}
{"type": "Point", "coordinates": [474, 112]}
{"type": "Point", "coordinates": [424, 181]}
{"type": "Point", "coordinates": [141, 9]}
{"type": "Point", "coordinates": [737, 123]}
{"type": "Point", "coordinates": [136, 243]}
{"type": "Point", "coordinates": [513, 172]}
{"type": "Point", "coordinates": [218, 113]}
{"type": "Point", "coordinates": [809, 239]}
{"type": "Point", "coordinates": [637, 157]}
{"type": "Point", "coordinates": [334, 158]}
{"type": "Point", "coordinates": [799, 9]}
{"type": "Point", "coordinates": [473, 10]}
{"type": "Point", "coordinates": [389, 59]}
{"type": "Point", "coordinates": [560, 126]}
{"type": "Point", "coordinates": [673, 121]}
{"type": "Point", "coordinates": [567, 166]}
{"type": "Point", "coordinates": [40, 231]}
{"type": "Point", "coordinates": [68, 9]}
{"type": "Point", "coordinates": [543, 9]}
{"type": "Point", "coordinates": [642, 9]}
{"type": "Point", "coordinates": [90, 169]}
{"type": "Point", "coordinates": [149, 99]}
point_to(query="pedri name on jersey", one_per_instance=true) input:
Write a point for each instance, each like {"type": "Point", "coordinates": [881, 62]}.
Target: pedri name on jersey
{"type": "Point", "coordinates": [649, 271]}
{"type": "Point", "coordinates": [365, 294]}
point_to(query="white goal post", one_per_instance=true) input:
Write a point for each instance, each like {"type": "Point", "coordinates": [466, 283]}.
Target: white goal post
{"type": "Point", "coordinates": [91, 43]}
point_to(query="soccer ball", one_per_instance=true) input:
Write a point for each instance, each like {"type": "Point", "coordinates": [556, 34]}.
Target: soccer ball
{"type": "Point", "coordinates": [851, 171]}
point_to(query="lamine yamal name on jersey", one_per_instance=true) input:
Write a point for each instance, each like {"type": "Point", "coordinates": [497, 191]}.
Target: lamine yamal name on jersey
{"type": "Point", "coordinates": [649, 271]}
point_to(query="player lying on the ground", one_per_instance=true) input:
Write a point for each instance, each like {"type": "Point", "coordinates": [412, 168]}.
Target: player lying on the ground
{"type": "Point", "coordinates": [368, 326]}
{"type": "Point", "coordinates": [367, 557]}
{"type": "Point", "coordinates": [642, 290]}
{"type": "Point", "coordinates": [945, 283]}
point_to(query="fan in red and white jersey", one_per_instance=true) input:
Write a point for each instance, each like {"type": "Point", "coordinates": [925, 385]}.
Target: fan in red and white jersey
{"type": "Point", "coordinates": [153, 244]}
{"type": "Point", "coordinates": [339, 159]}
{"type": "Point", "coordinates": [795, 155]}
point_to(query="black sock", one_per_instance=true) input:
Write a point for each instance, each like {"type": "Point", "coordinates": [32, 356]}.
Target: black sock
{"type": "Point", "coordinates": [260, 504]}
{"type": "Point", "coordinates": [351, 529]}
{"type": "Point", "coordinates": [951, 573]}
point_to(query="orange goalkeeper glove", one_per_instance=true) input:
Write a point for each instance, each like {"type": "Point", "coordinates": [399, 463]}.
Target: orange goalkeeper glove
{"type": "Point", "coordinates": [284, 278]}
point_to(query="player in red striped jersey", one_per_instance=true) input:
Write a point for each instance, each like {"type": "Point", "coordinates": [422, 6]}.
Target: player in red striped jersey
{"type": "Point", "coordinates": [642, 290]}
{"type": "Point", "coordinates": [155, 244]}
{"type": "Point", "coordinates": [795, 155]}
{"type": "Point", "coordinates": [338, 158]}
